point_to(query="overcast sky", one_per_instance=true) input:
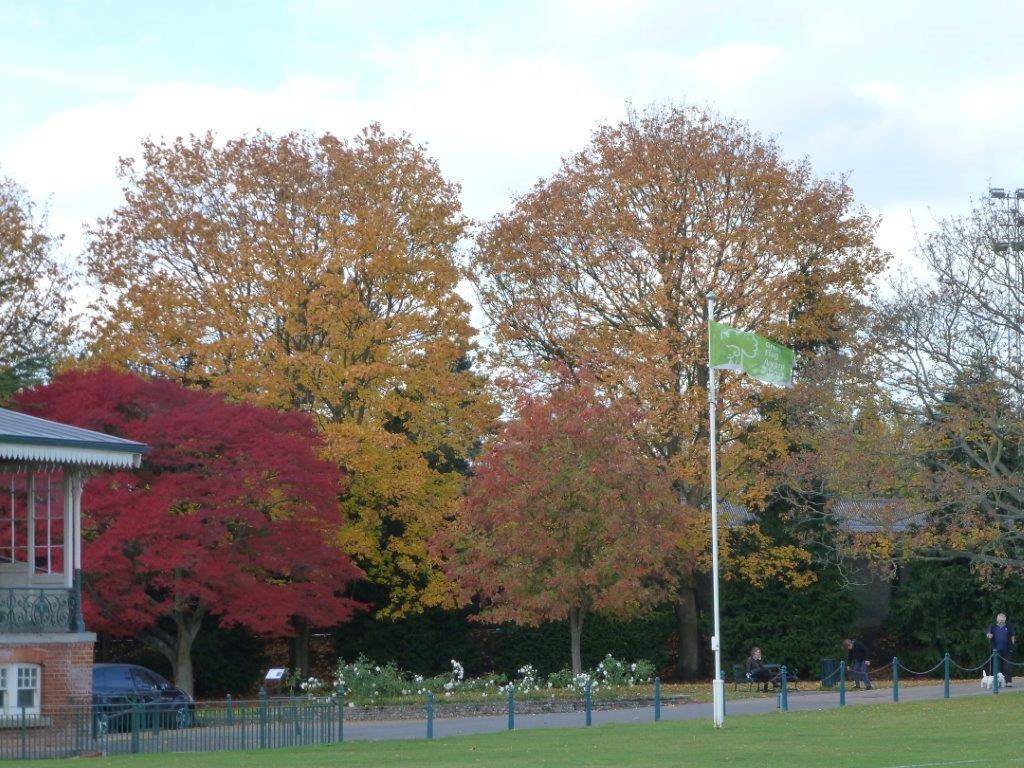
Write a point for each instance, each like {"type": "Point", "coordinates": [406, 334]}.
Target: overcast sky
{"type": "Point", "coordinates": [921, 102]}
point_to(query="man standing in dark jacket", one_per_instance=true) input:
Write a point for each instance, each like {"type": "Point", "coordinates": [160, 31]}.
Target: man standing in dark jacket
{"type": "Point", "coordinates": [1000, 637]}
{"type": "Point", "coordinates": [857, 660]}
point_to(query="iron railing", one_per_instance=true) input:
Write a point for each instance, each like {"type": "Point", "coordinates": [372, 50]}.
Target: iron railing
{"type": "Point", "coordinates": [157, 727]}
{"type": "Point", "coordinates": [37, 609]}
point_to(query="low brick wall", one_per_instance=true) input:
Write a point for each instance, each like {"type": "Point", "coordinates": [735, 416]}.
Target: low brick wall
{"type": "Point", "coordinates": [443, 709]}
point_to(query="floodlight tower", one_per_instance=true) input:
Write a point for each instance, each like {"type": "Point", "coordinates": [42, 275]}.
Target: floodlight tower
{"type": "Point", "coordinates": [1008, 239]}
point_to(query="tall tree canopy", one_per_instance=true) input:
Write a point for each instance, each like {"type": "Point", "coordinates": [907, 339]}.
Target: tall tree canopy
{"type": "Point", "coordinates": [35, 325]}
{"type": "Point", "coordinates": [231, 515]}
{"type": "Point", "coordinates": [307, 272]}
{"type": "Point", "coordinates": [953, 347]}
{"type": "Point", "coordinates": [566, 515]}
{"type": "Point", "coordinates": [609, 261]}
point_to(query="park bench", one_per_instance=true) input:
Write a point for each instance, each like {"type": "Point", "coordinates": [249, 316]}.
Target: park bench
{"type": "Point", "coordinates": [739, 677]}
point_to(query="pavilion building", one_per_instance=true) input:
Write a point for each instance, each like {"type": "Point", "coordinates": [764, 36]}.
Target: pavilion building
{"type": "Point", "coordinates": [46, 652]}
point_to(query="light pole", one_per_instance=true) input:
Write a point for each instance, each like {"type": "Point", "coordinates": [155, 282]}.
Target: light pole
{"type": "Point", "coordinates": [1008, 243]}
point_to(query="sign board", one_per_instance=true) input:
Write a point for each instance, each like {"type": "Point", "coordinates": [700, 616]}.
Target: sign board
{"type": "Point", "coordinates": [275, 674]}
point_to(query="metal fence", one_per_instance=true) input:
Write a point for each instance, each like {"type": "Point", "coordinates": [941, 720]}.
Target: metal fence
{"type": "Point", "coordinates": [264, 723]}
{"type": "Point", "coordinates": [271, 722]}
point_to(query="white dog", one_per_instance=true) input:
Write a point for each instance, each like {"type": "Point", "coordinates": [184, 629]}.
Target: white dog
{"type": "Point", "coordinates": [986, 680]}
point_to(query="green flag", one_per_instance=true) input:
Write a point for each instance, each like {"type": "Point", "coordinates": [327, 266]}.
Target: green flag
{"type": "Point", "coordinates": [751, 354]}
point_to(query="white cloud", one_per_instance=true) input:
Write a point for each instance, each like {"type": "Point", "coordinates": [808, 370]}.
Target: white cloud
{"type": "Point", "coordinates": [500, 106]}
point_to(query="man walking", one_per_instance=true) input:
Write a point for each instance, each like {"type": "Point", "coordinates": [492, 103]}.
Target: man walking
{"type": "Point", "coordinates": [1001, 639]}
{"type": "Point", "coordinates": [857, 660]}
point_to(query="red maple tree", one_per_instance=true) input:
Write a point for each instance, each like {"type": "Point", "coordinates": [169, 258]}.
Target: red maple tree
{"type": "Point", "coordinates": [565, 516]}
{"type": "Point", "coordinates": [230, 515]}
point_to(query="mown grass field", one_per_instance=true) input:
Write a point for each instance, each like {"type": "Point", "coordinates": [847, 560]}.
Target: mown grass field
{"type": "Point", "coordinates": [971, 732]}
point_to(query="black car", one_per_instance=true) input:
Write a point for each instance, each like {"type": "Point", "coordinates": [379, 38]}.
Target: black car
{"type": "Point", "coordinates": [126, 695]}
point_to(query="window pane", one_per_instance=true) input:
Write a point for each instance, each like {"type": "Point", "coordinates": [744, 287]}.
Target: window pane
{"type": "Point", "coordinates": [28, 686]}
{"type": "Point", "coordinates": [28, 677]}
{"type": "Point", "coordinates": [144, 679]}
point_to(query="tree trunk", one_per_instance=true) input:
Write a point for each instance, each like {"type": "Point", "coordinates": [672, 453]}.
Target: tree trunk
{"type": "Point", "coordinates": [177, 646]}
{"type": "Point", "coordinates": [688, 661]}
{"type": "Point", "coordinates": [183, 666]}
{"type": "Point", "coordinates": [300, 648]}
{"type": "Point", "coordinates": [575, 632]}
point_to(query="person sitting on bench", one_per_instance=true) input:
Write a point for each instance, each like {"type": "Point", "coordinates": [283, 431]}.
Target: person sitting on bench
{"type": "Point", "coordinates": [759, 672]}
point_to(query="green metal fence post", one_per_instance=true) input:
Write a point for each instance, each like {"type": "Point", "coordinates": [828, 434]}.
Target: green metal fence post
{"type": "Point", "coordinates": [24, 734]}
{"type": "Point", "coordinates": [842, 683]}
{"type": "Point", "coordinates": [430, 714]}
{"type": "Point", "coordinates": [785, 692]}
{"type": "Point", "coordinates": [135, 728]}
{"type": "Point", "coordinates": [895, 679]}
{"type": "Point", "coordinates": [945, 676]}
{"type": "Point", "coordinates": [586, 701]}
{"type": "Point", "coordinates": [263, 717]}
{"type": "Point", "coordinates": [341, 713]}
{"type": "Point", "coordinates": [995, 671]}
{"type": "Point", "coordinates": [231, 711]}
{"type": "Point", "coordinates": [657, 699]}
{"type": "Point", "coordinates": [511, 707]}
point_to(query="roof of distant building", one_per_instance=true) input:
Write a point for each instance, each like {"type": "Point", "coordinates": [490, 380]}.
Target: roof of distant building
{"type": "Point", "coordinates": [856, 515]}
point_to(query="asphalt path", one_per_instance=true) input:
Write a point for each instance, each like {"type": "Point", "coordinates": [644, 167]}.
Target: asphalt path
{"type": "Point", "coordinates": [735, 706]}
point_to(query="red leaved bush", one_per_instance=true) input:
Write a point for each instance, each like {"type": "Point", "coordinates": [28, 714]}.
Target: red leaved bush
{"type": "Point", "coordinates": [566, 516]}
{"type": "Point", "coordinates": [230, 514]}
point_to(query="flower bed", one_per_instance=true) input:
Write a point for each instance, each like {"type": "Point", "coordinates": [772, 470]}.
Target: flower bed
{"type": "Point", "coordinates": [366, 683]}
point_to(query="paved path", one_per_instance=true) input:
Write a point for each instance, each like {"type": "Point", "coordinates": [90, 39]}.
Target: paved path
{"type": "Point", "coordinates": [798, 700]}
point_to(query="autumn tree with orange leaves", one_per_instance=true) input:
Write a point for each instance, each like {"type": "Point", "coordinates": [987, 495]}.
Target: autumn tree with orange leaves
{"type": "Point", "coordinates": [566, 516]}
{"type": "Point", "coordinates": [318, 274]}
{"type": "Point", "coordinates": [608, 261]}
{"type": "Point", "coordinates": [36, 325]}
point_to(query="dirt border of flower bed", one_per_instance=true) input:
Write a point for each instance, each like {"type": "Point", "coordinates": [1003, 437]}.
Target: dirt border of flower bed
{"type": "Point", "coordinates": [446, 710]}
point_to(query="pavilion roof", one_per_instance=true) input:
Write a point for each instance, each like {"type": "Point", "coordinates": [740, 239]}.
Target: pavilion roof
{"type": "Point", "coordinates": [29, 438]}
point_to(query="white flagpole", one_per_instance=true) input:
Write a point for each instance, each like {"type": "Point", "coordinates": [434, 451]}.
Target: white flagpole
{"type": "Point", "coordinates": [718, 686]}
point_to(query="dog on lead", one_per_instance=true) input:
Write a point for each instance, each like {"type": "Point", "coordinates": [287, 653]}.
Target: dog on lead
{"type": "Point", "coordinates": [986, 680]}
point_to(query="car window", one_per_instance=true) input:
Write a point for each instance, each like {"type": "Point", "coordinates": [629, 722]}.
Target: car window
{"type": "Point", "coordinates": [145, 679]}
{"type": "Point", "coordinates": [116, 677]}
{"type": "Point", "coordinates": [160, 681]}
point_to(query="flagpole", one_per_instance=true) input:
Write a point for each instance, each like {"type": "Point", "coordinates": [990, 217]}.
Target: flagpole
{"type": "Point", "coordinates": [718, 685]}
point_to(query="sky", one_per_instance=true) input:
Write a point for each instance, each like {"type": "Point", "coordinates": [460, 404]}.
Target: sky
{"type": "Point", "coordinates": [920, 103]}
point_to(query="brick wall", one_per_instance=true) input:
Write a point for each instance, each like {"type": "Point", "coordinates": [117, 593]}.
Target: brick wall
{"type": "Point", "coordinates": [66, 670]}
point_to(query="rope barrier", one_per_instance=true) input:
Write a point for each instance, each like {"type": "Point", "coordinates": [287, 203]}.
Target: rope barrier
{"type": "Point", "coordinates": [971, 669]}
{"type": "Point", "coordinates": [926, 672]}
{"type": "Point", "coordinates": [873, 670]}
{"type": "Point", "coordinates": [833, 675]}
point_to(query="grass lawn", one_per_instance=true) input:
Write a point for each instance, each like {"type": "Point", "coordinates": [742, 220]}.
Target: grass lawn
{"type": "Point", "coordinates": [977, 731]}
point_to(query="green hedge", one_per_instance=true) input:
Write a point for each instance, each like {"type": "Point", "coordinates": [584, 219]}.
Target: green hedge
{"type": "Point", "coordinates": [939, 607]}
{"type": "Point", "coordinates": [425, 644]}
{"type": "Point", "coordinates": [796, 627]}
